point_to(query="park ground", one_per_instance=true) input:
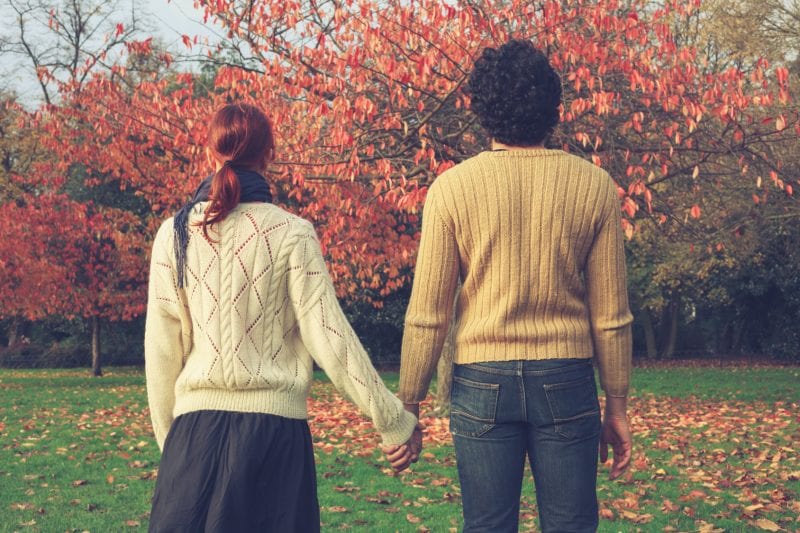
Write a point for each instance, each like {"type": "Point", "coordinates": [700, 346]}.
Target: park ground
{"type": "Point", "coordinates": [715, 450]}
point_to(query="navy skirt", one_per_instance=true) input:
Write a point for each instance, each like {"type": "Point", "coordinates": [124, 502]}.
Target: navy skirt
{"type": "Point", "coordinates": [236, 472]}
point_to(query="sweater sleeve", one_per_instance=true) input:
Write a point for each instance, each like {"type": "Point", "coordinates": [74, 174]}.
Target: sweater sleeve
{"type": "Point", "coordinates": [333, 344]}
{"type": "Point", "coordinates": [430, 308]}
{"type": "Point", "coordinates": [164, 336]}
{"type": "Point", "coordinates": [607, 297]}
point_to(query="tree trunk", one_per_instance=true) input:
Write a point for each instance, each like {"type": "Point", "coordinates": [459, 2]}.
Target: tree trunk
{"type": "Point", "coordinates": [738, 337]}
{"type": "Point", "coordinates": [649, 334]}
{"type": "Point", "coordinates": [96, 362]}
{"type": "Point", "coordinates": [13, 331]}
{"type": "Point", "coordinates": [725, 339]}
{"type": "Point", "coordinates": [672, 329]}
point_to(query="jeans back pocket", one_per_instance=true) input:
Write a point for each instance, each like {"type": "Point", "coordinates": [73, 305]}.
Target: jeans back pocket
{"type": "Point", "coordinates": [473, 407]}
{"type": "Point", "coordinates": [575, 407]}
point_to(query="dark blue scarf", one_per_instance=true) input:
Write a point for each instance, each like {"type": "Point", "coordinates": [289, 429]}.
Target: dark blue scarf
{"type": "Point", "coordinates": [254, 188]}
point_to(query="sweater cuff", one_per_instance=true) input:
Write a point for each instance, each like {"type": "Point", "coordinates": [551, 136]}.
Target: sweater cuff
{"type": "Point", "coordinates": [411, 396]}
{"type": "Point", "coordinates": [616, 391]}
{"type": "Point", "coordinates": [401, 431]}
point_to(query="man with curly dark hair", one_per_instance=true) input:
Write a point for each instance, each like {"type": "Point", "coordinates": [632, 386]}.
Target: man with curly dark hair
{"type": "Point", "coordinates": [534, 237]}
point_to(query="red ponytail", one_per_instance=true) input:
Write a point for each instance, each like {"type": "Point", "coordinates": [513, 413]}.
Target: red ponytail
{"type": "Point", "coordinates": [240, 135]}
{"type": "Point", "coordinates": [222, 198]}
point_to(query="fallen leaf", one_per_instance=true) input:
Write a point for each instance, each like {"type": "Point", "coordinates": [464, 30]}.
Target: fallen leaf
{"type": "Point", "coordinates": [636, 518]}
{"type": "Point", "coordinates": [413, 519]}
{"type": "Point", "coordinates": [669, 507]}
{"type": "Point", "coordinates": [21, 506]}
{"type": "Point", "coordinates": [705, 527]}
{"type": "Point", "coordinates": [767, 525]}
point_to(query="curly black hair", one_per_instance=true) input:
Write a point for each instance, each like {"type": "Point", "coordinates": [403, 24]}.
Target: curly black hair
{"type": "Point", "coordinates": [515, 93]}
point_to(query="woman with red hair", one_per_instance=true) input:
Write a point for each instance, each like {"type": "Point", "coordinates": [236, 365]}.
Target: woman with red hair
{"type": "Point", "coordinates": [240, 307]}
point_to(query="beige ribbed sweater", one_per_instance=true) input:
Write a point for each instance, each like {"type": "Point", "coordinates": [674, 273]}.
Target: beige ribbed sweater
{"type": "Point", "coordinates": [535, 238]}
{"type": "Point", "coordinates": [257, 310]}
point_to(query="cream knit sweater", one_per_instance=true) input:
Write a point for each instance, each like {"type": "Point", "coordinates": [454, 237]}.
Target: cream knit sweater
{"type": "Point", "coordinates": [535, 238]}
{"type": "Point", "coordinates": [257, 309]}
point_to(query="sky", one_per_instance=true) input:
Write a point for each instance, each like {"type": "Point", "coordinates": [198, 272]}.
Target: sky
{"type": "Point", "coordinates": [166, 20]}
{"type": "Point", "coordinates": [175, 18]}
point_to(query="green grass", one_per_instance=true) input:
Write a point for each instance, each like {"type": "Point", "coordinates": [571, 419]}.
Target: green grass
{"type": "Point", "coordinates": [714, 446]}
{"type": "Point", "coordinates": [735, 383]}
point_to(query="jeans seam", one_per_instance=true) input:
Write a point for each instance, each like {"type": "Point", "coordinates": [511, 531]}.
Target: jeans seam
{"type": "Point", "coordinates": [495, 371]}
{"type": "Point", "coordinates": [578, 416]}
{"type": "Point", "coordinates": [488, 421]}
{"type": "Point", "coordinates": [567, 384]}
{"type": "Point", "coordinates": [475, 367]}
{"type": "Point", "coordinates": [570, 366]}
{"type": "Point", "coordinates": [523, 399]}
{"type": "Point", "coordinates": [476, 384]}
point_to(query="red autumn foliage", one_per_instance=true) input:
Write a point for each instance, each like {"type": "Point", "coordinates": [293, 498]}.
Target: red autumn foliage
{"type": "Point", "coordinates": [367, 101]}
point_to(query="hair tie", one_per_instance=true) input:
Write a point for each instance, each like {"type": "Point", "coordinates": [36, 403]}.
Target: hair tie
{"type": "Point", "coordinates": [226, 163]}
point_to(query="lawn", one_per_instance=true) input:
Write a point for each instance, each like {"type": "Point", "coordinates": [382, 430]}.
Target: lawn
{"type": "Point", "coordinates": [715, 451]}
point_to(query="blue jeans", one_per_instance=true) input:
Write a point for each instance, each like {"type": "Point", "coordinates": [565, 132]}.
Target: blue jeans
{"type": "Point", "coordinates": [547, 410]}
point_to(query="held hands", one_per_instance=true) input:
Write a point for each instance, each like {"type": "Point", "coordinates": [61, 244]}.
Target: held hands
{"type": "Point", "coordinates": [616, 433]}
{"type": "Point", "coordinates": [402, 456]}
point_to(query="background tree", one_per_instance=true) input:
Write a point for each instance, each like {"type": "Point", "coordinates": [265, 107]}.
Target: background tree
{"type": "Point", "coordinates": [96, 256]}
{"type": "Point", "coordinates": [65, 42]}
{"type": "Point", "coordinates": [367, 99]}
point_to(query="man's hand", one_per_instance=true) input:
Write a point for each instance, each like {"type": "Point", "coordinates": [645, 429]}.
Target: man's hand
{"type": "Point", "coordinates": [399, 456]}
{"type": "Point", "coordinates": [616, 433]}
{"type": "Point", "coordinates": [415, 442]}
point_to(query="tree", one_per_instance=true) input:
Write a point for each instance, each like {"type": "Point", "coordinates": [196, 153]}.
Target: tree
{"type": "Point", "coordinates": [368, 102]}
{"type": "Point", "coordinates": [19, 150]}
{"type": "Point", "coordinates": [103, 250]}
{"type": "Point", "coordinates": [64, 43]}
{"type": "Point", "coordinates": [33, 277]}
{"type": "Point", "coordinates": [369, 108]}
{"type": "Point", "coordinates": [106, 252]}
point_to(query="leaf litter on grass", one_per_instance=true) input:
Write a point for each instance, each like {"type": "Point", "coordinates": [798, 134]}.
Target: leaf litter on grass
{"type": "Point", "coordinates": [697, 462]}
{"type": "Point", "coordinates": [699, 465]}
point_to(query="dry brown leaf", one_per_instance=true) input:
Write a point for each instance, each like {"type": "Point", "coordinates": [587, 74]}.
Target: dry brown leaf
{"type": "Point", "coordinates": [606, 514]}
{"type": "Point", "coordinates": [413, 519]}
{"type": "Point", "coordinates": [767, 525]}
